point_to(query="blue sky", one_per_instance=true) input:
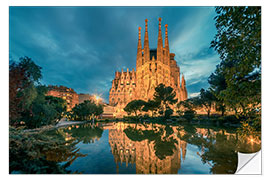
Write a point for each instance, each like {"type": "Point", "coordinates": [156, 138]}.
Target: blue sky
{"type": "Point", "coordinates": [82, 47]}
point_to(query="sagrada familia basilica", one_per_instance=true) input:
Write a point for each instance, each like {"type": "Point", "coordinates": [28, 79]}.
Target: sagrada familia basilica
{"type": "Point", "coordinates": [153, 67]}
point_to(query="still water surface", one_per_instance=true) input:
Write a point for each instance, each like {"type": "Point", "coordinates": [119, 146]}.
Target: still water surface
{"type": "Point", "coordinates": [130, 148]}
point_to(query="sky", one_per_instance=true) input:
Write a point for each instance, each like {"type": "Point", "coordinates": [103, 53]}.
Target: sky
{"type": "Point", "coordinates": [82, 47]}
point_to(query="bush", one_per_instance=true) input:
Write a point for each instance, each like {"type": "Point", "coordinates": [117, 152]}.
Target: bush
{"type": "Point", "coordinates": [168, 112]}
{"type": "Point", "coordinates": [189, 114]}
{"type": "Point", "coordinates": [37, 153]}
{"type": "Point", "coordinates": [86, 110]}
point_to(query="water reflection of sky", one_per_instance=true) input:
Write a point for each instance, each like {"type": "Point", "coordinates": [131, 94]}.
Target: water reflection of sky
{"type": "Point", "coordinates": [154, 149]}
{"type": "Point", "coordinates": [192, 163]}
{"type": "Point", "coordinates": [99, 159]}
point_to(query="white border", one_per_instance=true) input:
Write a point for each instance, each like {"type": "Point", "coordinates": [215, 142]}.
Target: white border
{"type": "Point", "coordinates": [4, 73]}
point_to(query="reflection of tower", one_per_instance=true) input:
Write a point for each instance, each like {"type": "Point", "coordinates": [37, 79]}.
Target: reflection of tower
{"type": "Point", "coordinates": [142, 153]}
{"type": "Point", "coordinates": [184, 149]}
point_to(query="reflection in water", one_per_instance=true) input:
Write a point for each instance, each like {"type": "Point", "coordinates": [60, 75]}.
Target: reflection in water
{"type": "Point", "coordinates": [87, 133]}
{"type": "Point", "coordinates": [68, 151]}
{"type": "Point", "coordinates": [160, 149]}
{"type": "Point", "coordinates": [153, 148]}
{"type": "Point", "coordinates": [149, 148]}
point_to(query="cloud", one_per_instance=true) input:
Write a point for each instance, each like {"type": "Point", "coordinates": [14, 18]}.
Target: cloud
{"type": "Point", "coordinates": [82, 47]}
{"type": "Point", "coordinates": [194, 95]}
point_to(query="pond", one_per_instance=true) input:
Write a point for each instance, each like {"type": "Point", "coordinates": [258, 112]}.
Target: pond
{"type": "Point", "coordinates": [140, 148]}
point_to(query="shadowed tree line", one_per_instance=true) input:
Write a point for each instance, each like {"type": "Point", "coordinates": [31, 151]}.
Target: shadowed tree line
{"type": "Point", "coordinates": [85, 111]}
{"type": "Point", "coordinates": [28, 103]}
{"type": "Point", "coordinates": [235, 85]}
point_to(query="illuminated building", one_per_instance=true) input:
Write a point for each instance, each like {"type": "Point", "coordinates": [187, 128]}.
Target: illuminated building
{"type": "Point", "coordinates": [153, 67]}
{"type": "Point", "coordinates": [68, 94]}
{"type": "Point", "coordinates": [84, 97]}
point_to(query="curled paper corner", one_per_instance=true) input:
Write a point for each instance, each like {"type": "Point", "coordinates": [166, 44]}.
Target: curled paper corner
{"type": "Point", "coordinates": [249, 163]}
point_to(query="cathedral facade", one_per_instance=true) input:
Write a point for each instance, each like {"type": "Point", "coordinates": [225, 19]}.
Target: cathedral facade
{"type": "Point", "coordinates": [153, 67]}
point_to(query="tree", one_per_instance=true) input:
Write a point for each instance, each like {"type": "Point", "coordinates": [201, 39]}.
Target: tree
{"type": "Point", "coordinates": [23, 76]}
{"type": "Point", "coordinates": [238, 42]}
{"type": "Point", "coordinates": [218, 83]}
{"type": "Point", "coordinates": [44, 110]}
{"type": "Point", "coordinates": [206, 100]}
{"type": "Point", "coordinates": [187, 108]}
{"type": "Point", "coordinates": [151, 106]}
{"type": "Point", "coordinates": [134, 106]}
{"type": "Point", "coordinates": [86, 110]}
{"type": "Point", "coordinates": [164, 96]}
{"type": "Point", "coordinates": [99, 110]}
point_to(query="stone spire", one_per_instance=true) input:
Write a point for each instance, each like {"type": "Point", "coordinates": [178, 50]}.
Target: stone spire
{"type": "Point", "coordinates": [183, 82]}
{"type": "Point", "coordinates": [122, 76]}
{"type": "Point", "coordinates": [128, 75]}
{"type": "Point", "coordinates": [146, 49]}
{"type": "Point", "coordinates": [166, 38]}
{"type": "Point", "coordinates": [183, 89]}
{"type": "Point", "coordinates": [167, 50]}
{"type": "Point", "coordinates": [133, 75]}
{"type": "Point", "coordinates": [139, 51]}
{"type": "Point", "coordinates": [160, 43]}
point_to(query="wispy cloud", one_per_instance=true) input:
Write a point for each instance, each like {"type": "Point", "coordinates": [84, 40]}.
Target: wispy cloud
{"type": "Point", "coordinates": [194, 95]}
{"type": "Point", "coordinates": [82, 47]}
{"type": "Point", "coordinates": [191, 46]}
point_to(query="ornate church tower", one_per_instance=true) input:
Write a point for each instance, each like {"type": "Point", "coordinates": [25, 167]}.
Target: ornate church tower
{"type": "Point", "coordinates": [153, 67]}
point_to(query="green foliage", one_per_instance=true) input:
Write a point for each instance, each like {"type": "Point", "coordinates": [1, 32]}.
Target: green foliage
{"type": "Point", "coordinates": [38, 153]}
{"type": "Point", "coordinates": [151, 106]}
{"type": "Point", "coordinates": [168, 112]}
{"type": "Point", "coordinates": [134, 106]}
{"type": "Point", "coordinates": [238, 42]}
{"type": "Point", "coordinates": [164, 96]}
{"type": "Point", "coordinates": [32, 71]}
{"type": "Point", "coordinates": [189, 114]}
{"type": "Point", "coordinates": [28, 101]}
{"type": "Point", "coordinates": [206, 100]}
{"type": "Point", "coordinates": [189, 104]}
{"type": "Point", "coordinates": [23, 76]}
{"type": "Point", "coordinates": [44, 110]}
{"type": "Point", "coordinates": [86, 110]}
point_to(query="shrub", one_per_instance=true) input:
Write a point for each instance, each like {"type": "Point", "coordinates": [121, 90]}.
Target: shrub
{"type": "Point", "coordinates": [189, 114]}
